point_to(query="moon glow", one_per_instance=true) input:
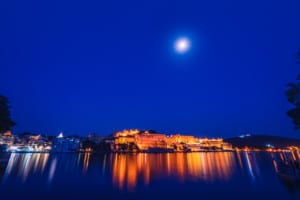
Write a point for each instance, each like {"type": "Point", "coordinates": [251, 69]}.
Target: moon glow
{"type": "Point", "coordinates": [182, 45]}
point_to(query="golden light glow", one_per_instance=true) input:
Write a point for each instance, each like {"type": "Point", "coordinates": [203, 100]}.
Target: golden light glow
{"type": "Point", "coordinates": [23, 164]}
{"type": "Point", "coordinates": [125, 132]}
{"type": "Point", "coordinates": [134, 140]}
{"type": "Point", "coordinates": [86, 160]}
{"type": "Point", "coordinates": [128, 169]}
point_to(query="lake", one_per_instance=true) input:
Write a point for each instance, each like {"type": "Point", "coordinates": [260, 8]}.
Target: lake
{"type": "Point", "coordinates": [195, 175]}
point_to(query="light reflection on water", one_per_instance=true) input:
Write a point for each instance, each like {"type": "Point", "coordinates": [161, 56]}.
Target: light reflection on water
{"type": "Point", "coordinates": [127, 168]}
{"type": "Point", "coordinates": [126, 172]}
{"type": "Point", "coordinates": [23, 164]}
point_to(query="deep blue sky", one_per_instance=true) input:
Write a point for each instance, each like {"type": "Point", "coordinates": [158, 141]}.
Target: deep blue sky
{"type": "Point", "coordinates": [101, 66]}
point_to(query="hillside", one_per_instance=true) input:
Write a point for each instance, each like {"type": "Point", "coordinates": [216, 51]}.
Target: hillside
{"type": "Point", "coordinates": [262, 141]}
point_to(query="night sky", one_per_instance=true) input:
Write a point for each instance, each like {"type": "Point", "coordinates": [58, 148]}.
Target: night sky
{"type": "Point", "coordinates": [101, 66]}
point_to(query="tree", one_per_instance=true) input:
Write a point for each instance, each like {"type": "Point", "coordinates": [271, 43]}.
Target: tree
{"type": "Point", "coordinates": [5, 120]}
{"type": "Point", "coordinates": [293, 96]}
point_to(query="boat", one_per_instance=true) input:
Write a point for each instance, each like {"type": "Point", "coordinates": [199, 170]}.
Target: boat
{"type": "Point", "coordinates": [289, 170]}
{"type": "Point", "coordinates": [289, 177]}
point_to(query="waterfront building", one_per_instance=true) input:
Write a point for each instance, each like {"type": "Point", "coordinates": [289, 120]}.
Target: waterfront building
{"type": "Point", "coordinates": [7, 138]}
{"type": "Point", "coordinates": [39, 143]}
{"type": "Point", "coordinates": [183, 142]}
{"type": "Point", "coordinates": [214, 143]}
{"type": "Point", "coordinates": [135, 140]}
{"type": "Point", "coordinates": [146, 141]}
{"type": "Point", "coordinates": [187, 139]}
{"type": "Point", "coordinates": [65, 144]}
{"type": "Point", "coordinates": [95, 138]}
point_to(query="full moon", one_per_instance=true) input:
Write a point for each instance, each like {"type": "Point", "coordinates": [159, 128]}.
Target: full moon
{"type": "Point", "coordinates": [182, 45]}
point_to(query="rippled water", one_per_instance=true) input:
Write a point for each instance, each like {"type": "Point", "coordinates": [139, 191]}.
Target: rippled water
{"type": "Point", "coordinates": [214, 175]}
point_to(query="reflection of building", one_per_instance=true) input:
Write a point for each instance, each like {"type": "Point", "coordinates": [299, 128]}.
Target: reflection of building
{"type": "Point", "coordinates": [24, 164]}
{"type": "Point", "coordinates": [130, 169]}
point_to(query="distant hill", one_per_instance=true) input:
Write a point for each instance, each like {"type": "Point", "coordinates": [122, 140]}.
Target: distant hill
{"type": "Point", "coordinates": [262, 141]}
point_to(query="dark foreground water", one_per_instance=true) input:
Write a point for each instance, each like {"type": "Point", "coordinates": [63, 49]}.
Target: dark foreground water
{"type": "Point", "coordinates": [215, 175]}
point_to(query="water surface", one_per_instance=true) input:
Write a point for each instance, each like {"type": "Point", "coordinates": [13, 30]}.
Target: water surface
{"type": "Point", "coordinates": [205, 175]}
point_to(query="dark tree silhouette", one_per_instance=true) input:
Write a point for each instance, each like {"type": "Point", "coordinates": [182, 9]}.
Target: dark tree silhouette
{"type": "Point", "coordinates": [5, 121]}
{"type": "Point", "coordinates": [293, 96]}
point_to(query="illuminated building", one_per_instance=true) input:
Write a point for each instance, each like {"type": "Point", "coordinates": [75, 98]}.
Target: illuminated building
{"type": "Point", "coordinates": [8, 133]}
{"type": "Point", "coordinates": [183, 142]}
{"type": "Point", "coordinates": [187, 139]}
{"type": "Point", "coordinates": [135, 140]}
{"type": "Point", "coordinates": [65, 144]}
{"type": "Point", "coordinates": [6, 140]}
{"type": "Point", "coordinates": [124, 140]}
{"type": "Point", "coordinates": [212, 144]}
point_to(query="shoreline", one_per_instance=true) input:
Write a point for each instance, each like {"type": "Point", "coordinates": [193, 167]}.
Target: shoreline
{"type": "Point", "coordinates": [144, 152]}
